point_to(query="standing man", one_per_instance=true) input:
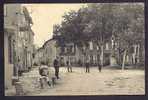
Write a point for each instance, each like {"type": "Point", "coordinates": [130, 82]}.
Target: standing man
{"type": "Point", "coordinates": [56, 66]}
{"type": "Point", "coordinates": [87, 66]}
{"type": "Point", "coordinates": [69, 67]}
{"type": "Point", "coordinates": [99, 66]}
{"type": "Point", "coordinates": [67, 63]}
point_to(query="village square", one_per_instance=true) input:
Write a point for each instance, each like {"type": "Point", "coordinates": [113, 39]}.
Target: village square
{"type": "Point", "coordinates": [94, 49]}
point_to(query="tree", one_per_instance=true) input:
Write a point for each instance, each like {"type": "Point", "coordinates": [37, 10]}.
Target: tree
{"type": "Point", "coordinates": [129, 27]}
{"type": "Point", "coordinates": [100, 22]}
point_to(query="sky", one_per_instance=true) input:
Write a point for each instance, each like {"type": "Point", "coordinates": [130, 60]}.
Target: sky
{"type": "Point", "coordinates": [44, 16]}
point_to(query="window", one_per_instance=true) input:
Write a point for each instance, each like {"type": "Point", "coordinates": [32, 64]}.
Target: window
{"type": "Point", "coordinates": [33, 55]}
{"type": "Point", "coordinates": [46, 51]}
{"type": "Point", "coordinates": [19, 34]}
{"type": "Point", "coordinates": [91, 45]}
{"type": "Point", "coordinates": [116, 45]}
{"type": "Point", "coordinates": [73, 49]}
{"type": "Point", "coordinates": [107, 46]}
{"type": "Point", "coordinates": [97, 47]}
{"type": "Point", "coordinates": [65, 50]}
{"type": "Point", "coordinates": [70, 49]}
{"type": "Point", "coordinates": [9, 50]}
{"type": "Point", "coordinates": [84, 48]}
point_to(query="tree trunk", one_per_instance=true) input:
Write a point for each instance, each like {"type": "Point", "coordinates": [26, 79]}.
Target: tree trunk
{"type": "Point", "coordinates": [134, 54]}
{"type": "Point", "coordinates": [123, 63]}
{"type": "Point", "coordinates": [101, 56]}
{"type": "Point", "coordinates": [138, 54]}
{"type": "Point", "coordinates": [119, 54]}
{"type": "Point", "coordinates": [119, 58]}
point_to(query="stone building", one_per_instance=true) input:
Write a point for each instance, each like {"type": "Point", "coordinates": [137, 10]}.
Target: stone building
{"type": "Point", "coordinates": [18, 37]}
{"type": "Point", "coordinates": [47, 53]}
{"type": "Point", "coordinates": [67, 53]}
{"type": "Point", "coordinates": [92, 53]}
{"type": "Point", "coordinates": [51, 51]}
{"type": "Point", "coordinates": [38, 56]}
{"type": "Point", "coordinates": [28, 35]}
{"type": "Point", "coordinates": [76, 55]}
{"type": "Point", "coordinates": [10, 35]}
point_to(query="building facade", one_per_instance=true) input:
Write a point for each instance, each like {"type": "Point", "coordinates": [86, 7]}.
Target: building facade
{"type": "Point", "coordinates": [28, 35]}
{"type": "Point", "coordinates": [51, 51]}
{"type": "Point", "coordinates": [38, 56]}
{"type": "Point", "coordinates": [109, 53]}
{"type": "Point", "coordinates": [18, 37]}
{"type": "Point", "coordinates": [67, 53]}
{"type": "Point", "coordinates": [47, 53]}
{"type": "Point", "coordinates": [10, 47]}
{"type": "Point", "coordinates": [93, 54]}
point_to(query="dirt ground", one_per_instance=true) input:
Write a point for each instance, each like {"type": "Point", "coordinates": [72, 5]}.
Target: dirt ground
{"type": "Point", "coordinates": [108, 82]}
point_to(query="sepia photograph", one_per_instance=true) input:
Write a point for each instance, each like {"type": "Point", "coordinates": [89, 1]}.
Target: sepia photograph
{"type": "Point", "coordinates": [70, 49]}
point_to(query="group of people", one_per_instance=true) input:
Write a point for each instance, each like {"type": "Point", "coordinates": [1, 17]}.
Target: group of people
{"type": "Point", "coordinates": [69, 67]}
{"type": "Point", "coordinates": [44, 70]}
{"type": "Point", "coordinates": [87, 65]}
{"type": "Point", "coordinates": [56, 64]}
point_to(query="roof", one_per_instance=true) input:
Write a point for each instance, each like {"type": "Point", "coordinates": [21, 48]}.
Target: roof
{"type": "Point", "coordinates": [32, 32]}
{"type": "Point", "coordinates": [39, 48]}
{"type": "Point", "coordinates": [27, 15]}
{"type": "Point", "coordinates": [48, 41]}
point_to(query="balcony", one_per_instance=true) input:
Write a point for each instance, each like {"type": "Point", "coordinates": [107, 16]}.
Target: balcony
{"type": "Point", "coordinates": [9, 28]}
{"type": "Point", "coordinates": [23, 28]}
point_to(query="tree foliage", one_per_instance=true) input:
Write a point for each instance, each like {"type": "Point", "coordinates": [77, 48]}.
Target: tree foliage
{"type": "Point", "coordinates": [99, 22]}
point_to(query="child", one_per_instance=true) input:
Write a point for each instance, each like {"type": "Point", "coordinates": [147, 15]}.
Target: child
{"type": "Point", "coordinates": [43, 71]}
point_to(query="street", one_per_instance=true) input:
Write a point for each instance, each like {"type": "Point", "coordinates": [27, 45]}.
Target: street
{"type": "Point", "coordinates": [108, 82]}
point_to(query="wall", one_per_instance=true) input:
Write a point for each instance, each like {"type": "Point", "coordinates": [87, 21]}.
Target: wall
{"type": "Point", "coordinates": [8, 66]}
{"type": "Point", "coordinates": [52, 51]}
{"type": "Point", "coordinates": [10, 28]}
